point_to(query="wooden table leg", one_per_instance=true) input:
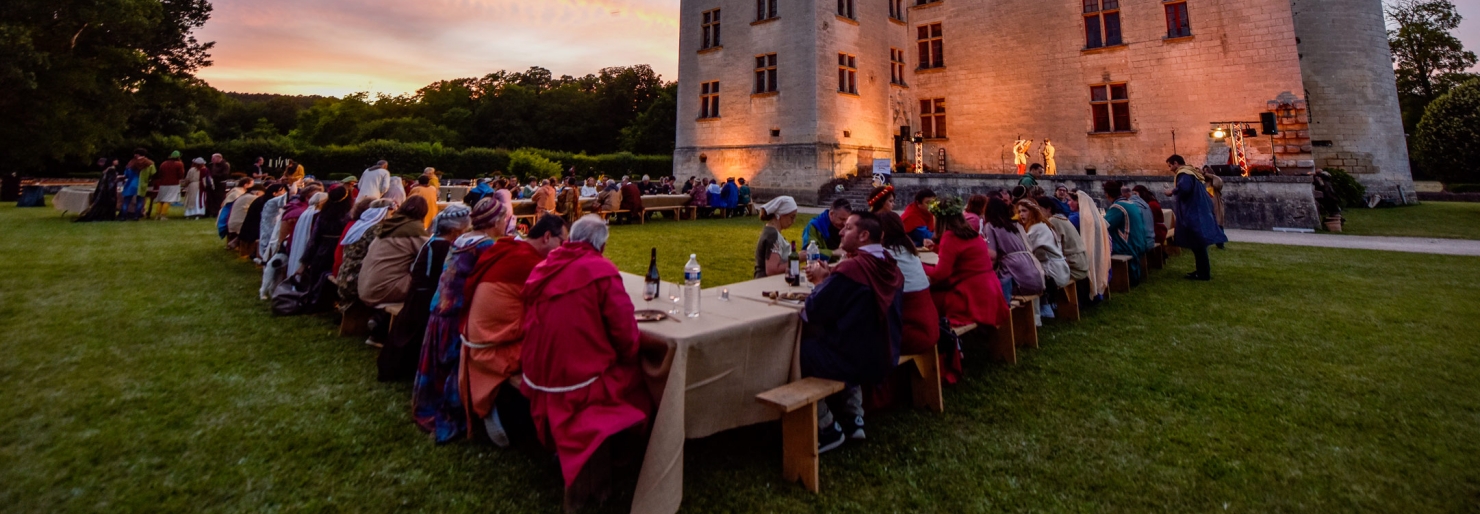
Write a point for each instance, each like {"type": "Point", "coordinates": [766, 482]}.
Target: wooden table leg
{"type": "Point", "coordinates": [799, 446]}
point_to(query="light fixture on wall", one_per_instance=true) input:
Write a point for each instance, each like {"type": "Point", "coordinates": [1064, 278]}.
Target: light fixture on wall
{"type": "Point", "coordinates": [1219, 133]}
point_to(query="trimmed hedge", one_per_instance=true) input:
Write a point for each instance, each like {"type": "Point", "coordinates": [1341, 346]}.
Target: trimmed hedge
{"type": "Point", "coordinates": [410, 158]}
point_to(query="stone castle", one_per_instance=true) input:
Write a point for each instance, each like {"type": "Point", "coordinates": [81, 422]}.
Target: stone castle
{"type": "Point", "coordinates": [794, 94]}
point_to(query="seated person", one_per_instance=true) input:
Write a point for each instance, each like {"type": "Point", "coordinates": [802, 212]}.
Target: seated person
{"type": "Point", "coordinates": [494, 331]}
{"type": "Point", "coordinates": [385, 275]}
{"type": "Point", "coordinates": [582, 374]}
{"type": "Point", "coordinates": [853, 327]}
{"type": "Point", "coordinates": [1158, 218]}
{"type": "Point", "coordinates": [632, 201]}
{"type": "Point", "coordinates": [699, 197]}
{"type": "Point", "coordinates": [401, 352]}
{"type": "Point", "coordinates": [610, 198]}
{"type": "Point", "coordinates": [827, 228]}
{"type": "Point", "coordinates": [772, 252]}
{"type": "Point", "coordinates": [428, 192]}
{"type": "Point", "coordinates": [1069, 240]}
{"type": "Point", "coordinates": [881, 199]}
{"type": "Point", "coordinates": [963, 283]}
{"type": "Point", "coordinates": [1017, 269]}
{"type": "Point", "coordinates": [1123, 220]}
{"type": "Point", "coordinates": [1044, 244]}
{"type": "Point", "coordinates": [918, 222]}
{"type": "Point", "coordinates": [570, 201]}
{"type": "Point", "coordinates": [1148, 228]}
{"type": "Point", "coordinates": [743, 202]}
{"type": "Point", "coordinates": [921, 329]}
{"type": "Point", "coordinates": [589, 189]}
{"type": "Point", "coordinates": [730, 193]}
{"type": "Point", "coordinates": [239, 209]}
{"type": "Point", "coordinates": [355, 243]}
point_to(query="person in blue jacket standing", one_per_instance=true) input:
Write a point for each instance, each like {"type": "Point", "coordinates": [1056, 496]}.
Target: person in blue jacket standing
{"type": "Point", "coordinates": [1197, 228]}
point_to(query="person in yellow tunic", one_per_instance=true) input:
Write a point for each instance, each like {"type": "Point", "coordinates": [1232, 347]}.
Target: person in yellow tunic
{"type": "Point", "coordinates": [427, 191]}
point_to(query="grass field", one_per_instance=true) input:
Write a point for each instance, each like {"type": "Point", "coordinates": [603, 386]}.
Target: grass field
{"type": "Point", "coordinates": [141, 374]}
{"type": "Point", "coordinates": [1449, 220]}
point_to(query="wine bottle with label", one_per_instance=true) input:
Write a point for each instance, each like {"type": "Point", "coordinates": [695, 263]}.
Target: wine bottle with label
{"type": "Point", "coordinates": [650, 291]}
{"type": "Point", "coordinates": [793, 266]}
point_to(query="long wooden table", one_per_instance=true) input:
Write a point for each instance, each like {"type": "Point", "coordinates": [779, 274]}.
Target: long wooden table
{"type": "Point", "coordinates": [704, 373]}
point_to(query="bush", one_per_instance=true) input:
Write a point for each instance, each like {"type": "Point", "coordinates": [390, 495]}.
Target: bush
{"type": "Point", "coordinates": [1462, 188]}
{"type": "Point", "coordinates": [1447, 142]}
{"type": "Point", "coordinates": [527, 164]}
{"type": "Point", "coordinates": [1348, 191]}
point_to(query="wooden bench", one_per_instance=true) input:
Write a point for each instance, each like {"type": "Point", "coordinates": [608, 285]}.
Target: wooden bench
{"type": "Point", "coordinates": [925, 382]}
{"type": "Point", "coordinates": [677, 210]}
{"type": "Point", "coordinates": [1157, 257]}
{"type": "Point", "coordinates": [1068, 302]}
{"type": "Point", "coordinates": [1024, 328]}
{"type": "Point", "coordinates": [797, 402]}
{"type": "Point", "coordinates": [607, 215]}
{"type": "Point", "coordinates": [1145, 268]}
{"type": "Point", "coordinates": [1120, 273]}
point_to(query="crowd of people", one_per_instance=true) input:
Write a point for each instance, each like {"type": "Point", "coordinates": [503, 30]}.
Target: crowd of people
{"type": "Point", "coordinates": [511, 332]}
{"type": "Point", "coordinates": [880, 300]}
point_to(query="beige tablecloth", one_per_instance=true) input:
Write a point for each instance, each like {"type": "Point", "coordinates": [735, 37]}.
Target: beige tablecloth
{"type": "Point", "coordinates": [1170, 218]}
{"type": "Point", "coordinates": [72, 199]}
{"type": "Point", "coordinates": [705, 373]}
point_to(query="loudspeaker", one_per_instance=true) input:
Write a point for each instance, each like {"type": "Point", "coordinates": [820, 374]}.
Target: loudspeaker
{"type": "Point", "coordinates": [1226, 170]}
{"type": "Point", "coordinates": [1267, 123]}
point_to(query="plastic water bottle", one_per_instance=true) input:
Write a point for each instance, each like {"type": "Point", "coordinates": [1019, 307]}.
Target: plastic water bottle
{"type": "Point", "coordinates": [691, 287]}
{"type": "Point", "coordinates": [814, 254]}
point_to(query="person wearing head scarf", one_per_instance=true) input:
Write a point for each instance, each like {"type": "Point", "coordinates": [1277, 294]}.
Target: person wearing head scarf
{"type": "Point", "coordinates": [401, 352]}
{"type": "Point", "coordinates": [610, 198]}
{"type": "Point", "coordinates": [397, 191]}
{"type": "Point", "coordinates": [1097, 247]}
{"type": "Point", "coordinates": [385, 276]}
{"type": "Point", "coordinates": [1126, 223]}
{"type": "Point", "coordinates": [436, 403]}
{"type": "Point", "coordinates": [301, 221]}
{"type": "Point", "coordinates": [329, 226]}
{"type": "Point", "coordinates": [267, 229]}
{"type": "Point", "coordinates": [250, 233]}
{"type": "Point", "coordinates": [579, 356]}
{"type": "Point", "coordinates": [772, 251]}
{"type": "Point", "coordinates": [198, 186]}
{"type": "Point", "coordinates": [355, 244]}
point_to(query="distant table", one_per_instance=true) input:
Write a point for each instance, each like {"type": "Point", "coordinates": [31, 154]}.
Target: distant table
{"type": "Point", "coordinates": [73, 199]}
{"type": "Point", "coordinates": [705, 373]}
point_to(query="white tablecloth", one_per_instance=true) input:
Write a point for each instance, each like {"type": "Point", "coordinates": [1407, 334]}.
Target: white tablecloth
{"type": "Point", "coordinates": [72, 199]}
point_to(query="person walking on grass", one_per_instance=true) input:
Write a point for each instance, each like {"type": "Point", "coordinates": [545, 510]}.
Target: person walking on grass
{"type": "Point", "coordinates": [1197, 227]}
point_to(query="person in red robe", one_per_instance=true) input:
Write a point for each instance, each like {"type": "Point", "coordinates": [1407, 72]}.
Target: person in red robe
{"type": "Point", "coordinates": [582, 374]}
{"type": "Point", "coordinates": [963, 282]}
{"type": "Point", "coordinates": [493, 332]}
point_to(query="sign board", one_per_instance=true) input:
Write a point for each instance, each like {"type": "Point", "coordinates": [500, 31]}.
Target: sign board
{"type": "Point", "coordinates": [882, 167]}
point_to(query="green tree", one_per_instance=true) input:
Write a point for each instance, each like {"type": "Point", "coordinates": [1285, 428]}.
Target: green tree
{"type": "Point", "coordinates": [1448, 139]}
{"type": "Point", "coordinates": [527, 164]}
{"type": "Point", "coordinates": [1429, 58]}
{"type": "Point", "coordinates": [71, 70]}
{"type": "Point", "coordinates": [654, 130]}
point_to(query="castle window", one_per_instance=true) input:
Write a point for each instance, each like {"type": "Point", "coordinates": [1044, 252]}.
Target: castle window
{"type": "Point", "coordinates": [847, 74]}
{"type": "Point", "coordinates": [896, 66]}
{"type": "Point", "coordinates": [932, 46]}
{"type": "Point", "coordinates": [1177, 24]}
{"type": "Point", "coordinates": [1110, 105]}
{"type": "Point", "coordinates": [709, 100]}
{"type": "Point", "coordinates": [711, 29]}
{"type": "Point", "coordinates": [925, 2]}
{"type": "Point", "coordinates": [845, 8]}
{"type": "Point", "coordinates": [765, 73]}
{"type": "Point", "coordinates": [765, 9]}
{"type": "Point", "coordinates": [896, 9]}
{"type": "Point", "coordinates": [933, 118]}
{"type": "Point", "coordinates": [1101, 23]}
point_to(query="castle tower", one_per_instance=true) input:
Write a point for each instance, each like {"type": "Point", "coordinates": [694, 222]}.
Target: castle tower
{"type": "Point", "coordinates": [1355, 120]}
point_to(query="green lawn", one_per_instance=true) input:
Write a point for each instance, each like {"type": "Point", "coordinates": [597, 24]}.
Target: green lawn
{"type": "Point", "coordinates": [1450, 220]}
{"type": "Point", "coordinates": [141, 374]}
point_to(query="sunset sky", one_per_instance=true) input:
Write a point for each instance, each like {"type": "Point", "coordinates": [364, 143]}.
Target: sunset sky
{"type": "Point", "coordinates": [334, 47]}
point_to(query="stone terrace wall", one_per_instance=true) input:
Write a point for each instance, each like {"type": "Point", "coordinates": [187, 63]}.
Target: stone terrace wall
{"type": "Point", "coordinates": [1255, 203]}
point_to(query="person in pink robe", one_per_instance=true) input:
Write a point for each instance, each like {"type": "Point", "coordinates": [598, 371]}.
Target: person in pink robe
{"type": "Point", "coordinates": [581, 369]}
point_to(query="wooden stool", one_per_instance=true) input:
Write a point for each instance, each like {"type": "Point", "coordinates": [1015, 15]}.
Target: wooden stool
{"type": "Point", "coordinates": [1158, 257]}
{"type": "Point", "coordinates": [1024, 328]}
{"type": "Point", "coordinates": [925, 382]}
{"type": "Point", "coordinates": [1120, 273]}
{"type": "Point", "coordinates": [1069, 304]}
{"type": "Point", "coordinates": [797, 402]}
{"type": "Point", "coordinates": [355, 320]}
